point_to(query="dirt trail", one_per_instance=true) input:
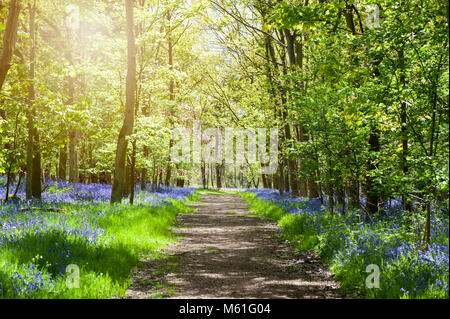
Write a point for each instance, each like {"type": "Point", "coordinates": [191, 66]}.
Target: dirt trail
{"type": "Point", "coordinates": [226, 252]}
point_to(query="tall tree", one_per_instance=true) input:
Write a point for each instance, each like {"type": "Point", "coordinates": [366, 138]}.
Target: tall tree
{"type": "Point", "coordinates": [33, 181]}
{"type": "Point", "coordinates": [128, 122]}
{"type": "Point", "coordinates": [9, 39]}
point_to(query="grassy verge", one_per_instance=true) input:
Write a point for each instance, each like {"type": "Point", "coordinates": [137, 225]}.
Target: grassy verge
{"type": "Point", "coordinates": [349, 245]}
{"type": "Point", "coordinates": [104, 242]}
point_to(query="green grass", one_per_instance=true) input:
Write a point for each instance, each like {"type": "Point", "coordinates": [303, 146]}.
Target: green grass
{"type": "Point", "coordinates": [263, 208]}
{"type": "Point", "coordinates": [292, 226]}
{"type": "Point", "coordinates": [349, 244]}
{"type": "Point", "coordinates": [130, 234]}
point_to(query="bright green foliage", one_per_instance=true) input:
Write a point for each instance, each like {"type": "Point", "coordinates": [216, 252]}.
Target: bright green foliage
{"type": "Point", "coordinates": [349, 244]}
{"type": "Point", "coordinates": [130, 234]}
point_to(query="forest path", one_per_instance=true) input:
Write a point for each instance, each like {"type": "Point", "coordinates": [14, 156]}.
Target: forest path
{"type": "Point", "coordinates": [228, 252]}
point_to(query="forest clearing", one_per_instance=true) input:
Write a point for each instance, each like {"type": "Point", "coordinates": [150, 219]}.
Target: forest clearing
{"type": "Point", "coordinates": [223, 149]}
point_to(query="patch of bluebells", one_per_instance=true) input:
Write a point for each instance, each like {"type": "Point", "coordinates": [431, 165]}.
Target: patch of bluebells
{"type": "Point", "coordinates": [29, 280]}
{"type": "Point", "coordinates": [351, 242]}
{"type": "Point", "coordinates": [73, 193]}
{"type": "Point", "coordinates": [21, 219]}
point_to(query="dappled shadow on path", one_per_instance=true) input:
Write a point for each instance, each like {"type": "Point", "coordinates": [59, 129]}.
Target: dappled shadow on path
{"type": "Point", "coordinates": [225, 252]}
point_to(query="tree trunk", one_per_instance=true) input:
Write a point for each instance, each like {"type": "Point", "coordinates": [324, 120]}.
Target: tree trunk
{"type": "Point", "coordinates": [9, 39]}
{"type": "Point", "coordinates": [72, 135]}
{"type": "Point", "coordinates": [313, 187]}
{"type": "Point", "coordinates": [126, 189]}
{"type": "Point", "coordinates": [143, 179]}
{"type": "Point", "coordinates": [219, 175]}
{"type": "Point", "coordinates": [264, 177]}
{"type": "Point", "coordinates": [403, 120]}
{"type": "Point", "coordinates": [203, 172]}
{"type": "Point", "coordinates": [212, 175]}
{"type": "Point", "coordinates": [62, 169]}
{"type": "Point", "coordinates": [353, 194]}
{"type": "Point", "coordinates": [372, 192]}
{"type": "Point", "coordinates": [73, 157]}
{"type": "Point", "coordinates": [128, 123]}
{"type": "Point", "coordinates": [171, 98]}
{"type": "Point", "coordinates": [9, 42]}
{"type": "Point", "coordinates": [132, 173]}
{"type": "Point", "coordinates": [33, 182]}
{"type": "Point", "coordinates": [292, 164]}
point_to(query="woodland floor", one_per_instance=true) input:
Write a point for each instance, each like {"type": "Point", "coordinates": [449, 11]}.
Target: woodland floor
{"type": "Point", "coordinates": [225, 251]}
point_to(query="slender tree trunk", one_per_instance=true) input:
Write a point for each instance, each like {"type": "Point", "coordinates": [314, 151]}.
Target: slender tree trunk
{"type": "Point", "coordinates": [203, 172]}
{"type": "Point", "coordinates": [403, 120]}
{"type": "Point", "coordinates": [128, 123]}
{"type": "Point", "coordinates": [281, 179]}
{"type": "Point", "coordinates": [427, 232]}
{"type": "Point", "coordinates": [372, 193]}
{"type": "Point", "coordinates": [171, 98]}
{"type": "Point", "coordinates": [353, 193]}
{"type": "Point", "coordinates": [133, 155]}
{"type": "Point", "coordinates": [72, 138]}
{"type": "Point", "coordinates": [73, 134]}
{"type": "Point", "coordinates": [8, 181]}
{"type": "Point", "coordinates": [127, 187]}
{"type": "Point", "coordinates": [219, 175]}
{"type": "Point", "coordinates": [154, 175]}
{"type": "Point", "coordinates": [143, 179]}
{"type": "Point", "coordinates": [313, 187]}
{"type": "Point", "coordinates": [303, 184]}
{"type": "Point", "coordinates": [73, 157]}
{"type": "Point", "coordinates": [292, 175]}
{"type": "Point", "coordinates": [18, 184]}
{"type": "Point", "coordinates": [33, 184]}
{"type": "Point", "coordinates": [146, 152]}
{"type": "Point", "coordinates": [341, 198]}
{"type": "Point", "coordinates": [212, 175]}
{"type": "Point", "coordinates": [62, 169]}
{"type": "Point", "coordinates": [160, 178]}
{"type": "Point", "coordinates": [264, 177]}
{"type": "Point", "coordinates": [132, 169]}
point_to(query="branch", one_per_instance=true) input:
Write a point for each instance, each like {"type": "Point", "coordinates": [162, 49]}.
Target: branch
{"type": "Point", "coordinates": [241, 21]}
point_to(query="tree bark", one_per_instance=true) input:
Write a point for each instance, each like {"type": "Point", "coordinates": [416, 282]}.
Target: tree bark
{"type": "Point", "coordinates": [73, 157]}
{"type": "Point", "coordinates": [62, 169]}
{"type": "Point", "coordinates": [9, 39]}
{"type": "Point", "coordinates": [404, 129]}
{"type": "Point", "coordinates": [292, 165]}
{"type": "Point", "coordinates": [171, 98]}
{"type": "Point", "coordinates": [9, 42]}
{"type": "Point", "coordinates": [128, 123]}
{"type": "Point", "coordinates": [132, 173]}
{"type": "Point", "coordinates": [219, 175]}
{"type": "Point", "coordinates": [33, 181]}
{"type": "Point", "coordinates": [372, 192]}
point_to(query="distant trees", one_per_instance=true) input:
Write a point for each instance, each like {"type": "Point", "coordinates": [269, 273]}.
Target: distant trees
{"type": "Point", "coordinates": [358, 127]}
